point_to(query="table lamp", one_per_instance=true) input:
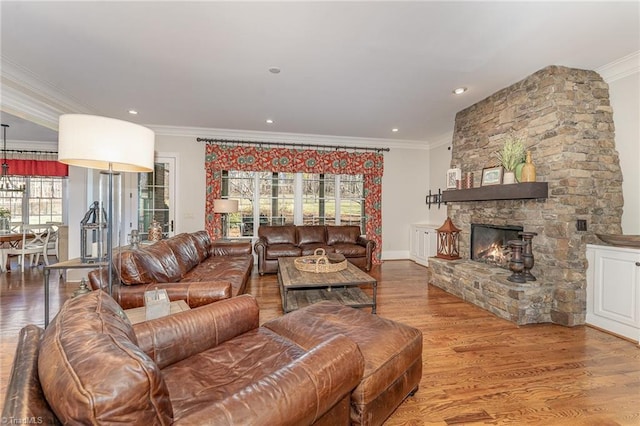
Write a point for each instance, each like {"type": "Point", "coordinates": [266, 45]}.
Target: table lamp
{"type": "Point", "coordinates": [109, 145]}
{"type": "Point", "coordinates": [224, 207]}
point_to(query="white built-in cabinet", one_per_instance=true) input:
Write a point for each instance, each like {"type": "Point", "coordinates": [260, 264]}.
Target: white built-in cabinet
{"type": "Point", "coordinates": [424, 242]}
{"type": "Point", "coordinates": [613, 290]}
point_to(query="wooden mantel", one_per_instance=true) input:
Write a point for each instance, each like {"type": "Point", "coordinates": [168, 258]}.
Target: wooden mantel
{"type": "Point", "coordinates": [515, 191]}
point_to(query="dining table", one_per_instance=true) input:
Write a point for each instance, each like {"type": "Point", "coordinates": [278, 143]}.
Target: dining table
{"type": "Point", "coordinates": [9, 240]}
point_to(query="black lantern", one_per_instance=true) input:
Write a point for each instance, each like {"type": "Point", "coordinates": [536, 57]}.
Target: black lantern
{"type": "Point", "coordinates": [93, 235]}
{"type": "Point", "coordinates": [448, 241]}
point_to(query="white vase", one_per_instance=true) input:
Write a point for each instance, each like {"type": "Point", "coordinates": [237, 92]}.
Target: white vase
{"type": "Point", "coordinates": [509, 177]}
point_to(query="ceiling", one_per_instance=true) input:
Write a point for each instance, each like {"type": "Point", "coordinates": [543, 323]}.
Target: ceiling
{"type": "Point", "coordinates": [348, 69]}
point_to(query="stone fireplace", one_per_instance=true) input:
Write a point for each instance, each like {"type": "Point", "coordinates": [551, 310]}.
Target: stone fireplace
{"type": "Point", "coordinates": [565, 118]}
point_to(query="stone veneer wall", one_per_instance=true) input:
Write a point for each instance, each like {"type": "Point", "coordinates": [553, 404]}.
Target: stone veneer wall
{"type": "Point", "coordinates": [566, 120]}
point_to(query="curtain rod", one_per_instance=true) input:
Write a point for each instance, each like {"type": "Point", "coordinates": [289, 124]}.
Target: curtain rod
{"type": "Point", "coordinates": [23, 151]}
{"type": "Point", "coordinates": [292, 144]}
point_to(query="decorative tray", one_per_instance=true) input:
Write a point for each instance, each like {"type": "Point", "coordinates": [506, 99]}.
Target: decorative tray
{"type": "Point", "coordinates": [320, 262]}
{"type": "Point", "coordinates": [621, 240]}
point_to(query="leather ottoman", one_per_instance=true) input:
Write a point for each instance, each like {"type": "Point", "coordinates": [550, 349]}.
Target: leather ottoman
{"type": "Point", "coordinates": [392, 353]}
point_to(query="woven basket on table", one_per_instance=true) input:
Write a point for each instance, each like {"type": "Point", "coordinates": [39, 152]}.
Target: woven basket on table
{"type": "Point", "coordinates": [319, 263]}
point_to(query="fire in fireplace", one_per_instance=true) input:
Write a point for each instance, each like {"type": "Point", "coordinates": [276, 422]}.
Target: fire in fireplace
{"type": "Point", "coordinates": [489, 243]}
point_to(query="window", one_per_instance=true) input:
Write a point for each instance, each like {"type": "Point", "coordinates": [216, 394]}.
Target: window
{"type": "Point", "coordinates": [276, 195]}
{"type": "Point", "coordinates": [41, 202]}
{"type": "Point", "coordinates": [292, 198]}
{"type": "Point", "coordinates": [154, 198]}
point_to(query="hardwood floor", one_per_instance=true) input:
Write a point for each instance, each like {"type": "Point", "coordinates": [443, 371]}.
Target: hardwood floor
{"type": "Point", "coordinates": [478, 369]}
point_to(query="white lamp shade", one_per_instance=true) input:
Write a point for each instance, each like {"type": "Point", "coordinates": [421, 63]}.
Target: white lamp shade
{"type": "Point", "coordinates": [99, 142]}
{"type": "Point", "coordinates": [225, 206]}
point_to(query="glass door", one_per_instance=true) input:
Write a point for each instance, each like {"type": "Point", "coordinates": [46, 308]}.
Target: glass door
{"type": "Point", "coordinates": [156, 195]}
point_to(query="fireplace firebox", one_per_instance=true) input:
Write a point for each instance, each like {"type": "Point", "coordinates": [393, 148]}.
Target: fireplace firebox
{"type": "Point", "coordinates": [490, 243]}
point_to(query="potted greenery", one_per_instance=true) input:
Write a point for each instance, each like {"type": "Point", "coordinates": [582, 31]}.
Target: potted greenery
{"type": "Point", "coordinates": [5, 219]}
{"type": "Point", "coordinates": [510, 156]}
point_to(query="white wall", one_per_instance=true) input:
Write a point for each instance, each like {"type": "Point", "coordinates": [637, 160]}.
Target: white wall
{"type": "Point", "coordinates": [439, 163]}
{"type": "Point", "coordinates": [404, 186]}
{"type": "Point", "coordinates": [190, 180]}
{"type": "Point", "coordinates": [625, 100]}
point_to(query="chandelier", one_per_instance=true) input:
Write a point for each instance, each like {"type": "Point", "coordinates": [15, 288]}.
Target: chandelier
{"type": "Point", "coordinates": [5, 182]}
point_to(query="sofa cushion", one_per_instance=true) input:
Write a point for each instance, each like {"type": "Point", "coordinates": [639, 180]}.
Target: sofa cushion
{"type": "Point", "coordinates": [202, 242]}
{"type": "Point", "coordinates": [282, 250]}
{"type": "Point", "coordinates": [151, 264]}
{"type": "Point", "coordinates": [310, 234]}
{"type": "Point", "coordinates": [310, 249]}
{"type": "Point", "coordinates": [132, 267]}
{"type": "Point", "coordinates": [224, 370]}
{"type": "Point", "coordinates": [184, 249]}
{"type": "Point", "coordinates": [92, 371]}
{"type": "Point", "coordinates": [234, 269]}
{"type": "Point", "coordinates": [285, 234]}
{"type": "Point", "coordinates": [350, 250]}
{"type": "Point", "coordinates": [342, 234]}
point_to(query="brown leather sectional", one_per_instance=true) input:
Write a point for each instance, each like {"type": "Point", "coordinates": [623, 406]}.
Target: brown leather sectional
{"type": "Point", "coordinates": [189, 266]}
{"type": "Point", "coordinates": [294, 241]}
{"type": "Point", "coordinates": [210, 365]}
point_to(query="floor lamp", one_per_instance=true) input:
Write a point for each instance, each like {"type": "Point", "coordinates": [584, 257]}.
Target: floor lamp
{"type": "Point", "coordinates": [109, 145]}
{"type": "Point", "coordinates": [224, 207]}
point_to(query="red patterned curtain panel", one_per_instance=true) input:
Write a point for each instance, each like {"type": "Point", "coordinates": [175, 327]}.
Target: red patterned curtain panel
{"type": "Point", "coordinates": [37, 168]}
{"type": "Point", "coordinates": [257, 159]}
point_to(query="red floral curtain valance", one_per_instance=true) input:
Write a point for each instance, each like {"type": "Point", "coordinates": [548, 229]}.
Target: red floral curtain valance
{"type": "Point", "coordinates": [289, 160]}
{"type": "Point", "coordinates": [37, 168]}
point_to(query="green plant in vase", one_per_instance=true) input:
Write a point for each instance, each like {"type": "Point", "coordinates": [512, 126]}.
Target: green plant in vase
{"type": "Point", "coordinates": [5, 219]}
{"type": "Point", "coordinates": [510, 156]}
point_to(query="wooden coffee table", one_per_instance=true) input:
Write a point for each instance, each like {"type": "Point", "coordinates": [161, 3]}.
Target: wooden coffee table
{"type": "Point", "coordinates": [299, 288]}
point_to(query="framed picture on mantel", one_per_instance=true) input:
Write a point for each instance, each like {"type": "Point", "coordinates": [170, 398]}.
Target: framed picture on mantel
{"type": "Point", "coordinates": [453, 175]}
{"type": "Point", "coordinates": [492, 176]}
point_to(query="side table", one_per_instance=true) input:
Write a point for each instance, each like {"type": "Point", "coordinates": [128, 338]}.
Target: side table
{"type": "Point", "coordinates": [137, 315]}
{"type": "Point", "coordinates": [67, 264]}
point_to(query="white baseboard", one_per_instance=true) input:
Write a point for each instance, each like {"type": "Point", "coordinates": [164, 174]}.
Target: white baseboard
{"type": "Point", "coordinates": [395, 255]}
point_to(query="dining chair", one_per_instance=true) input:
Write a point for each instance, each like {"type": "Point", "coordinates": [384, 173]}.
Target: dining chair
{"type": "Point", "coordinates": [52, 246]}
{"type": "Point", "coordinates": [35, 239]}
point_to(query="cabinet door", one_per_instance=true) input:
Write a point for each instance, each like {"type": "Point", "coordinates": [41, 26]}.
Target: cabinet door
{"type": "Point", "coordinates": [615, 292]}
{"type": "Point", "coordinates": [423, 243]}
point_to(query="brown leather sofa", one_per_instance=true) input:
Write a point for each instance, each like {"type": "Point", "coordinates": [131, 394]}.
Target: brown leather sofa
{"type": "Point", "coordinates": [209, 365]}
{"type": "Point", "coordinates": [189, 266]}
{"type": "Point", "coordinates": [293, 241]}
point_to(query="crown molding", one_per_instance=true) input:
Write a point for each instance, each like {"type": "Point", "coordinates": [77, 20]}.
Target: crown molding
{"type": "Point", "coordinates": [275, 137]}
{"type": "Point", "coordinates": [441, 140]}
{"type": "Point", "coordinates": [621, 68]}
{"type": "Point", "coordinates": [28, 96]}
{"type": "Point", "coordinates": [32, 145]}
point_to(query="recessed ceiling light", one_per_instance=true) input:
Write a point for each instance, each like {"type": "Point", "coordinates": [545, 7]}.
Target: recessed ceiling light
{"type": "Point", "coordinates": [133, 112]}
{"type": "Point", "coordinates": [459, 90]}
{"type": "Point", "coordinates": [394, 129]}
{"type": "Point", "coordinates": [274, 70]}
{"type": "Point", "coordinates": [269, 121]}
